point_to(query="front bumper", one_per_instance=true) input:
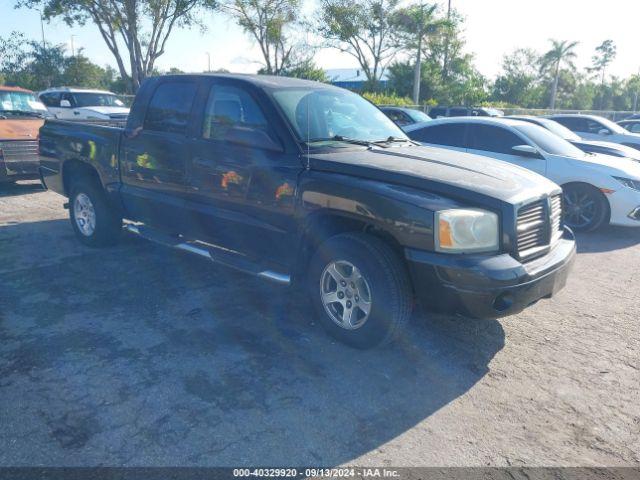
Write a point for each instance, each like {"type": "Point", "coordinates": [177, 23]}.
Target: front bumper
{"type": "Point", "coordinates": [489, 286]}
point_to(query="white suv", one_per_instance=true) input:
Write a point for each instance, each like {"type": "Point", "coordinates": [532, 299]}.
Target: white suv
{"type": "Point", "coordinates": [82, 104]}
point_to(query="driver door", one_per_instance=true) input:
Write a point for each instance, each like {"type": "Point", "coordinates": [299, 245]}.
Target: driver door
{"type": "Point", "coordinates": [498, 142]}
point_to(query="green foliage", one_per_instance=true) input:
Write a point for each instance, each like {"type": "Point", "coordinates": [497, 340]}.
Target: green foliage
{"type": "Point", "coordinates": [270, 24]}
{"type": "Point", "coordinates": [30, 65]}
{"type": "Point", "coordinates": [363, 29]}
{"type": "Point", "coordinates": [387, 99]}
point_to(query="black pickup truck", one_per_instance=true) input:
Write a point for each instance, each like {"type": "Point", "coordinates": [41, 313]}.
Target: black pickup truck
{"type": "Point", "coordinates": [301, 182]}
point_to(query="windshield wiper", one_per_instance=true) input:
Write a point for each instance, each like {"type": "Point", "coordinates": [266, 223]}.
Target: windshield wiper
{"type": "Point", "coordinates": [22, 112]}
{"type": "Point", "coordinates": [340, 138]}
{"type": "Point", "coordinates": [393, 139]}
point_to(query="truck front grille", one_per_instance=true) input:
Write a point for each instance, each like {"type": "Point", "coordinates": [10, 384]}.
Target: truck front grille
{"type": "Point", "coordinates": [19, 156]}
{"type": "Point", "coordinates": [539, 225]}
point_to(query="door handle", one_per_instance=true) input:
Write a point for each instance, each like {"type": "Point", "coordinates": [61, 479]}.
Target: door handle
{"type": "Point", "coordinates": [203, 162]}
{"type": "Point", "coordinates": [76, 112]}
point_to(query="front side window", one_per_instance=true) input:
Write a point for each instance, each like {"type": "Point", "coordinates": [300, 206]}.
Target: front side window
{"type": "Point", "coordinates": [489, 138]}
{"type": "Point", "coordinates": [50, 99]}
{"type": "Point", "coordinates": [324, 114]}
{"type": "Point", "coordinates": [418, 116]}
{"type": "Point", "coordinates": [229, 107]}
{"type": "Point", "coordinates": [170, 107]}
{"type": "Point", "coordinates": [449, 135]}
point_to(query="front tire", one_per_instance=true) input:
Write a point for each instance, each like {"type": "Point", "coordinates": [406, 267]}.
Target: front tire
{"type": "Point", "coordinates": [94, 221]}
{"type": "Point", "coordinates": [585, 208]}
{"type": "Point", "coordinates": [360, 290]}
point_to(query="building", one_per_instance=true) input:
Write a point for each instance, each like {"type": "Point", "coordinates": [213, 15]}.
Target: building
{"type": "Point", "coordinates": [351, 78]}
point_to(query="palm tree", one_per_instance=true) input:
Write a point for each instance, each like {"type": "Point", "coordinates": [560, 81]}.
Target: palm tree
{"type": "Point", "coordinates": [561, 52]}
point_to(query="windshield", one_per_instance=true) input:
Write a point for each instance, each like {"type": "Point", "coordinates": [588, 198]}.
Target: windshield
{"type": "Point", "coordinates": [322, 114]}
{"type": "Point", "coordinates": [20, 101]}
{"type": "Point", "coordinates": [418, 116]}
{"type": "Point", "coordinates": [558, 129]}
{"type": "Point", "coordinates": [549, 142]}
{"type": "Point", "coordinates": [614, 127]}
{"type": "Point", "coordinates": [87, 99]}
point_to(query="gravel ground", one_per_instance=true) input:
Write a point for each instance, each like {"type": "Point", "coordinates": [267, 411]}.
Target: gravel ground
{"type": "Point", "coordinates": [141, 355]}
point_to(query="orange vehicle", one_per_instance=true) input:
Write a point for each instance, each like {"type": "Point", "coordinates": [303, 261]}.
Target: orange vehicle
{"type": "Point", "coordinates": [21, 116]}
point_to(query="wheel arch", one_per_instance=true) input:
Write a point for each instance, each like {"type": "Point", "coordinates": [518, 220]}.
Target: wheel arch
{"type": "Point", "coordinates": [74, 169]}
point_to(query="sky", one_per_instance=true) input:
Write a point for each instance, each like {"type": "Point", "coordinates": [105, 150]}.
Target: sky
{"type": "Point", "coordinates": [492, 29]}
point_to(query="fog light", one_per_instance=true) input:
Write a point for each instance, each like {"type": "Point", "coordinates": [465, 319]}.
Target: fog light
{"type": "Point", "coordinates": [635, 215]}
{"type": "Point", "coordinates": [503, 302]}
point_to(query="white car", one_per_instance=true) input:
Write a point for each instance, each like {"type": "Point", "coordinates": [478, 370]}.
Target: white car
{"type": "Point", "coordinates": [598, 189]}
{"type": "Point", "coordinates": [593, 127]}
{"type": "Point", "coordinates": [83, 104]}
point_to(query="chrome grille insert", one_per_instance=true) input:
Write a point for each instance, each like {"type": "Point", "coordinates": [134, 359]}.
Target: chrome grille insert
{"type": "Point", "coordinates": [19, 156]}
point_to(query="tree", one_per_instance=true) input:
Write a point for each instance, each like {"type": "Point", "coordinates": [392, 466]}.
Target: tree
{"type": "Point", "coordinates": [363, 29]}
{"type": "Point", "coordinates": [605, 54]}
{"type": "Point", "coordinates": [269, 23]}
{"type": "Point", "coordinates": [80, 71]}
{"type": "Point", "coordinates": [412, 25]}
{"type": "Point", "coordinates": [518, 83]}
{"type": "Point", "coordinates": [142, 27]}
{"type": "Point", "coordinates": [306, 69]}
{"type": "Point", "coordinates": [560, 52]}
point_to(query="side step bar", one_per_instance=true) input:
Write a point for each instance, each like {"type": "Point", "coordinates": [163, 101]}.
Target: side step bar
{"type": "Point", "coordinates": [222, 257]}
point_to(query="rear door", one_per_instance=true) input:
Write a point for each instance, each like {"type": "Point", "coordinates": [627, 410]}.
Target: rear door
{"type": "Point", "coordinates": [153, 157]}
{"type": "Point", "coordinates": [241, 181]}
{"type": "Point", "coordinates": [497, 142]}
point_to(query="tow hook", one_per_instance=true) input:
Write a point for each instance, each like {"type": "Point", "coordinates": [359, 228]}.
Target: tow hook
{"type": "Point", "coordinates": [65, 205]}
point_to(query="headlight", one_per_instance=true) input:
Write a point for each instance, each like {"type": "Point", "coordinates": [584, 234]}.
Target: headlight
{"type": "Point", "coordinates": [628, 182]}
{"type": "Point", "coordinates": [466, 231]}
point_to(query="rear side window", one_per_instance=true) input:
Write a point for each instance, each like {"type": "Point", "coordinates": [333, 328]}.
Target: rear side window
{"type": "Point", "coordinates": [438, 112]}
{"type": "Point", "coordinates": [170, 107]}
{"type": "Point", "coordinates": [228, 107]}
{"type": "Point", "coordinates": [448, 135]}
{"type": "Point", "coordinates": [493, 139]}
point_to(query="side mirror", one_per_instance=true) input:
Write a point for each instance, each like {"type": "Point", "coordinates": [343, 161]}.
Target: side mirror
{"type": "Point", "coordinates": [527, 151]}
{"type": "Point", "coordinates": [604, 131]}
{"type": "Point", "coordinates": [65, 103]}
{"type": "Point", "coordinates": [251, 137]}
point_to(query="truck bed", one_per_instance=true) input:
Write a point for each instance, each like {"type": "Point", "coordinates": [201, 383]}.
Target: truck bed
{"type": "Point", "coordinates": [94, 142]}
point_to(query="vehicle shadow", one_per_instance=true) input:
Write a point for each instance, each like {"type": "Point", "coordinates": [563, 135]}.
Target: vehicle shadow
{"type": "Point", "coordinates": [141, 355]}
{"type": "Point", "coordinates": [21, 188]}
{"type": "Point", "coordinates": [608, 239]}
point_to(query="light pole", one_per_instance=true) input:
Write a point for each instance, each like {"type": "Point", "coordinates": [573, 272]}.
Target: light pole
{"type": "Point", "coordinates": [73, 51]}
{"type": "Point", "coordinates": [208, 61]}
{"type": "Point", "coordinates": [44, 45]}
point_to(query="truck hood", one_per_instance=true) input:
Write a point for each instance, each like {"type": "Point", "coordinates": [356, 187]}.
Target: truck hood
{"type": "Point", "coordinates": [20, 128]}
{"type": "Point", "coordinates": [439, 170]}
{"type": "Point", "coordinates": [106, 110]}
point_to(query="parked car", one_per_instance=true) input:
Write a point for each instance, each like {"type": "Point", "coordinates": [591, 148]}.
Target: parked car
{"type": "Point", "coordinates": [593, 127]}
{"type": "Point", "coordinates": [405, 116]}
{"type": "Point", "coordinates": [302, 182]}
{"type": "Point", "coordinates": [590, 146]}
{"type": "Point", "coordinates": [21, 116]}
{"type": "Point", "coordinates": [83, 104]}
{"type": "Point", "coordinates": [632, 125]}
{"type": "Point", "coordinates": [598, 189]}
{"type": "Point", "coordinates": [437, 112]}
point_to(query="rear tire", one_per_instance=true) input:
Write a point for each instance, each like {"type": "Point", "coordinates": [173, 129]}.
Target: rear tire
{"type": "Point", "coordinates": [360, 290]}
{"type": "Point", "coordinates": [94, 221]}
{"type": "Point", "coordinates": [586, 209]}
